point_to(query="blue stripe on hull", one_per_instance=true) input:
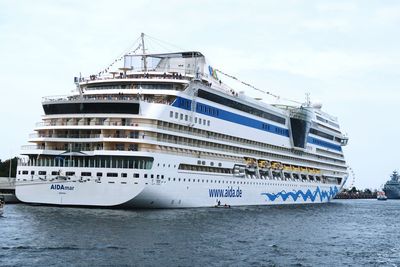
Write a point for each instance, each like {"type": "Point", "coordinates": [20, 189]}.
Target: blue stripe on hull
{"type": "Point", "coordinates": [211, 111]}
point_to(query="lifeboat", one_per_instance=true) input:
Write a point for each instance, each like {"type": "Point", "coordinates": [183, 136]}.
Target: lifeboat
{"type": "Point", "coordinates": [277, 165]}
{"type": "Point", "coordinates": [287, 167]}
{"type": "Point", "coordinates": [250, 162]}
{"type": "Point", "coordinates": [296, 168]}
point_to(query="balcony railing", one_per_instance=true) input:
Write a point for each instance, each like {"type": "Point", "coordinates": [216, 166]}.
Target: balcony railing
{"type": "Point", "coordinates": [36, 135]}
{"type": "Point", "coordinates": [102, 98]}
{"type": "Point", "coordinates": [131, 163]}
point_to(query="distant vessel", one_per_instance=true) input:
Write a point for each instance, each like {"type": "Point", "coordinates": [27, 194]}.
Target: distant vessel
{"type": "Point", "coordinates": [392, 187]}
{"type": "Point", "coordinates": [381, 195]}
{"type": "Point", "coordinates": [164, 131]}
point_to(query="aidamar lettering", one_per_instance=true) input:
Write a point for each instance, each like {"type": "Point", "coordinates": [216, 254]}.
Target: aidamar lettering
{"type": "Point", "coordinates": [61, 187]}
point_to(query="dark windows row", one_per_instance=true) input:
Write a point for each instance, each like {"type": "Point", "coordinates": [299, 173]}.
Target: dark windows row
{"type": "Point", "coordinates": [131, 86]}
{"type": "Point", "coordinates": [325, 144]}
{"type": "Point", "coordinates": [181, 116]}
{"type": "Point", "coordinates": [83, 174]}
{"type": "Point", "coordinates": [83, 107]}
{"type": "Point", "coordinates": [322, 134]}
{"type": "Point", "coordinates": [96, 162]}
{"type": "Point", "coordinates": [200, 168]}
{"type": "Point", "coordinates": [205, 109]}
{"type": "Point", "coordinates": [184, 103]}
{"type": "Point", "coordinates": [236, 105]}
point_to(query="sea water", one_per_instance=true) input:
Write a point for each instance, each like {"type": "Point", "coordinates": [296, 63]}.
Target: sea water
{"type": "Point", "coordinates": [341, 233]}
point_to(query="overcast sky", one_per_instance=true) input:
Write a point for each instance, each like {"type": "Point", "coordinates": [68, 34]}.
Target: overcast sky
{"type": "Point", "coordinates": [344, 53]}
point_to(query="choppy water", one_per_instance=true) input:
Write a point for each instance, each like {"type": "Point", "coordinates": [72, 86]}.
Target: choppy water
{"type": "Point", "coordinates": [342, 233]}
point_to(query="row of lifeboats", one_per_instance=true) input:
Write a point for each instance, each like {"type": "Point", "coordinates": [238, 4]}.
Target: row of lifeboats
{"type": "Point", "coordinates": [276, 165]}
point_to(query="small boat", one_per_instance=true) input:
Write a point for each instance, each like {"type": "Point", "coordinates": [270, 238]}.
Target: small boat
{"type": "Point", "coordinates": [219, 205]}
{"type": "Point", "coordinates": [381, 195]}
{"type": "Point", "coordinates": [222, 206]}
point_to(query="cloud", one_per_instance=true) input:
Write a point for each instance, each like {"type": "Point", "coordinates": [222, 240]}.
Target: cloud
{"type": "Point", "coordinates": [331, 6]}
{"type": "Point", "coordinates": [337, 24]}
{"type": "Point", "coordinates": [388, 15]}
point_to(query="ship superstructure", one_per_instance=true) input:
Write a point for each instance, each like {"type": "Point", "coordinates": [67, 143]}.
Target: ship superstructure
{"type": "Point", "coordinates": [392, 187]}
{"type": "Point", "coordinates": [164, 131]}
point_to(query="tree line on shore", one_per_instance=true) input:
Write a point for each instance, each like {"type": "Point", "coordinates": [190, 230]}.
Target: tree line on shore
{"type": "Point", "coordinates": [5, 167]}
{"type": "Point", "coordinates": [357, 193]}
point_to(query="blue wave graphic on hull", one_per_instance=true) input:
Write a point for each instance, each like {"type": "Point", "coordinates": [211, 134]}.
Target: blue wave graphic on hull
{"type": "Point", "coordinates": [322, 194]}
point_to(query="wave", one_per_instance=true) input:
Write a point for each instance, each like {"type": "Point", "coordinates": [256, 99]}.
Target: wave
{"type": "Point", "coordinates": [322, 194]}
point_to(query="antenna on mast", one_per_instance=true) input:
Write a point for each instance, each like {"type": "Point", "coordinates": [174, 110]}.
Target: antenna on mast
{"type": "Point", "coordinates": [144, 52]}
{"type": "Point", "coordinates": [308, 99]}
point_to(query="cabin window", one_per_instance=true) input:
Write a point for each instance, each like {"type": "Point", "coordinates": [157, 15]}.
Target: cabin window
{"type": "Point", "coordinates": [112, 174]}
{"type": "Point", "coordinates": [86, 174]}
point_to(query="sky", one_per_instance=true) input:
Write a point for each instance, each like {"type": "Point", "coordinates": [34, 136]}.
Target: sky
{"type": "Point", "coordinates": [346, 54]}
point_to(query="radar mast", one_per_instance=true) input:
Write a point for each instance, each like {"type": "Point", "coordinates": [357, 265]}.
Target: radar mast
{"type": "Point", "coordinates": [144, 53]}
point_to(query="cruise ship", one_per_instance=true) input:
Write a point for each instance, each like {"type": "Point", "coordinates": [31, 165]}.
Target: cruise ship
{"type": "Point", "coordinates": [163, 131]}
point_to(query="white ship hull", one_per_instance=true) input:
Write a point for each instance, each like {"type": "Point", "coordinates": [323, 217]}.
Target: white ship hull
{"type": "Point", "coordinates": [169, 188]}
